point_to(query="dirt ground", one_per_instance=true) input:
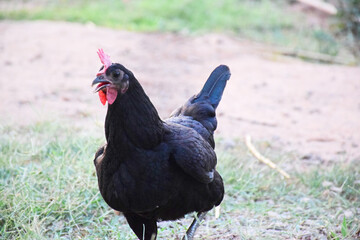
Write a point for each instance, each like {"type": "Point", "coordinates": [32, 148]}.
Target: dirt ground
{"type": "Point", "coordinates": [311, 109]}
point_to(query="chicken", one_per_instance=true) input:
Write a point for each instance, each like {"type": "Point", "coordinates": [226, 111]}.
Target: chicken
{"type": "Point", "coordinates": [152, 169]}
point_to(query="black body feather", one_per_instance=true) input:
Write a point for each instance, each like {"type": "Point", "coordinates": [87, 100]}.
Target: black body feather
{"type": "Point", "coordinates": [155, 170]}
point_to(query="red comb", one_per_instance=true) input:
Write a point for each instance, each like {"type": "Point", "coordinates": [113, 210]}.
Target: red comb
{"type": "Point", "coordinates": [105, 59]}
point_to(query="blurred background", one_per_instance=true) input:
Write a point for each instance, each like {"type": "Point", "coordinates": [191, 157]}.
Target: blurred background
{"type": "Point", "coordinates": [328, 27]}
{"type": "Point", "coordinates": [295, 89]}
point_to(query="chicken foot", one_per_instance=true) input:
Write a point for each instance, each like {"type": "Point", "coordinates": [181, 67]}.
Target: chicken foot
{"type": "Point", "coordinates": [194, 225]}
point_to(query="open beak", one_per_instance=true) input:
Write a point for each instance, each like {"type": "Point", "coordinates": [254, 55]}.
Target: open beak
{"type": "Point", "coordinates": [102, 83]}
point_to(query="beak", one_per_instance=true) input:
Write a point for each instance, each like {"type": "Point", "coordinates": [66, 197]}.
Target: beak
{"type": "Point", "coordinates": [103, 83]}
{"type": "Point", "coordinates": [99, 79]}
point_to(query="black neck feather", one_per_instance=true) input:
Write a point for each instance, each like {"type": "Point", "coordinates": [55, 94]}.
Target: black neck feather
{"type": "Point", "coordinates": [132, 120]}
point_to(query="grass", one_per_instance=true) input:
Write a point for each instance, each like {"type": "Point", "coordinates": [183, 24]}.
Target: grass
{"type": "Point", "coordinates": [48, 190]}
{"type": "Point", "coordinates": [264, 20]}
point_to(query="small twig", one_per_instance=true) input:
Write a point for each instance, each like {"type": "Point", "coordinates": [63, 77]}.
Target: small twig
{"type": "Point", "coordinates": [321, 5]}
{"type": "Point", "coordinates": [263, 159]}
{"type": "Point", "coordinates": [313, 56]}
{"type": "Point", "coordinates": [217, 212]}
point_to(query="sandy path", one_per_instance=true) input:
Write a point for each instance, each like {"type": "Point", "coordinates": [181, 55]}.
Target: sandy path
{"type": "Point", "coordinates": [46, 70]}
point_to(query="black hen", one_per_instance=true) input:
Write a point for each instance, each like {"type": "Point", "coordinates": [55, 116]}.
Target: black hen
{"type": "Point", "coordinates": [150, 169]}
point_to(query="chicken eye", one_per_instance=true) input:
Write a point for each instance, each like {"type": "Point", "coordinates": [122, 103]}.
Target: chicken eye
{"type": "Point", "coordinates": [116, 74]}
{"type": "Point", "coordinates": [102, 67]}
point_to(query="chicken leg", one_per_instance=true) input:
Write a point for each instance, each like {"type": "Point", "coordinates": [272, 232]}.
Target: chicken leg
{"type": "Point", "coordinates": [194, 225]}
{"type": "Point", "coordinates": [145, 229]}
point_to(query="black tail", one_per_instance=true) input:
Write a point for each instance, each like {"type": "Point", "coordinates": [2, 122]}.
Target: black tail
{"type": "Point", "coordinates": [214, 86]}
{"type": "Point", "coordinates": [202, 106]}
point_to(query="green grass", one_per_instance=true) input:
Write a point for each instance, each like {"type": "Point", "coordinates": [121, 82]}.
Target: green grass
{"type": "Point", "coordinates": [263, 20]}
{"type": "Point", "coordinates": [48, 190]}
{"type": "Point", "coordinates": [48, 187]}
{"type": "Point", "coordinates": [163, 15]}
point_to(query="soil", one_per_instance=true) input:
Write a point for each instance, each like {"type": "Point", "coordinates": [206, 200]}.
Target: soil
{"type": "Point", "coordinates": [311, 109]}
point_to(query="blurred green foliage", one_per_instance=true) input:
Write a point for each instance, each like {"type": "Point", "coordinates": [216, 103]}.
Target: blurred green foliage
{"type": "Point", "coordinates": [258, 20]}
{"type": "Point", "coordinates": [349, 17]}
{"type": "Point", "coordinates": [163, 15]}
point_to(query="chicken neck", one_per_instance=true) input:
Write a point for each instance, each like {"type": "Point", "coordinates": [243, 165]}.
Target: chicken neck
{"type": "Point", "coordinates": [132, 120]}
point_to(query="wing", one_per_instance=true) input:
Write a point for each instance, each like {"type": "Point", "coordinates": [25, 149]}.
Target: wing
{"type": "Point", "coordinates": [197, 126]}
{"type": "Point", "coordinates": [191, 152]}
{"type": "Point", "coordinates": [99, 155]}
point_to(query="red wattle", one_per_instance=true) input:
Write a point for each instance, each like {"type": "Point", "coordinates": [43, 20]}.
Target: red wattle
{"type": "Point", "coordinates": [102, 97]}
{"type": "Point", "coordinates": [111, 95]}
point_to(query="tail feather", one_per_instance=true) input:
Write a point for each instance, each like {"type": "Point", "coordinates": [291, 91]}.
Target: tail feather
{"type": "Point", "coordinates": [214, 86]}
{"type": "Point", "coordinates": [202, 106]}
